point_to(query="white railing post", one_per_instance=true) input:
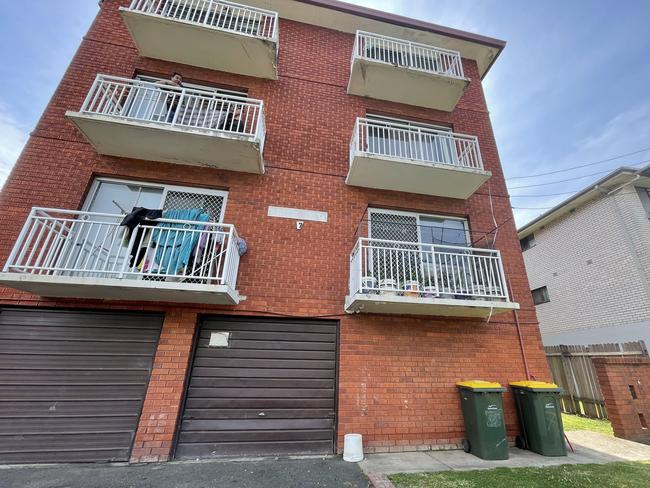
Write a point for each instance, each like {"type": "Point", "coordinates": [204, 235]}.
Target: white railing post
{"type": "Point", "coordinates": [228, 261]}
{"type": "Point", "coordinates": [19, 240]}
{"type": "Point", "coordinates": [93, 88]}
{"type": "Point", "coordinates": [502, 273]}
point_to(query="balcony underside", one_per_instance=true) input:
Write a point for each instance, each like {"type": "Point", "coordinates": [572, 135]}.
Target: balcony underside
{"type": "Point", "coordinates": [411, 176]}
{"type": "Point", "coordinates": [403, 305]}
{"type": "Point", "coordinates": [120, 289]}
{"type": "Point", "coordinates": [403, 85]}
{"type": "Point", "coordinates": [207, 47]}
{"type": "Point", "coordinates": [157, 142]}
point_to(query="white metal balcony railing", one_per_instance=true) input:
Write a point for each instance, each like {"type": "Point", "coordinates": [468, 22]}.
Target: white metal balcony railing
{"type": "Point", "coordinates": [422, 270]}
{"type": "Point", "coordinates": [406, 54]}
{"type": "Point", "coordinates": [70, 243]}
{"type": "Point", "coordinates": [169, 106]}
{"type": "Point", "coordinates": [217, 14]}
{"type": "Point", "coordinates": [395, 140]}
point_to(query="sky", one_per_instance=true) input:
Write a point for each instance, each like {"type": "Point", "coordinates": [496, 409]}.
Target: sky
{"type": "Point", "coordinates": [571, 87]}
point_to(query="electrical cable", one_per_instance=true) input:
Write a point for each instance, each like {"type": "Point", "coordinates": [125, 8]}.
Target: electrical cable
{"type": "Point", "coordinates": [573, 179]}
{"type": "Point", "coordinates": [581, 165]}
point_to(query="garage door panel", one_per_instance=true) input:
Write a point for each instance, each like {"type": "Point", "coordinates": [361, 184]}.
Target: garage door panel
{"type": "Point", "coordinates": [241, 335]}
{"type": "Point", "coordinates": [269, 326]}
{"type": "Point", "coordinates": [74, 347]}
{"type": "Point", "coordinates": [283, 370]}
{"type": "Point", "coordinates": [71, 392]}
{"type": "Point", "coordinates": [208, 352]}
{"type": "Point", "coordinates": [59, 377]}
{"type": "Point", "coordinates": [260, 403]}
{"type": "Point", "coordinates": [55, 318]}
{"type": "Point", "coordinates": [258, 435]}
{"type": "Point", "coordinates": [72, 383]}
{"type": "Point", "coordinates": [44, 332]}
{"type": "Point", "coordinates": [235, 343]}
{"type": "Point", "coordinates": [78, 362]}
{"type": "Point", "coordinates": [207, 382]}
{"type": "Point", "coordinates": [259, 393]}
{"type": "Point", "coordinates": [263, 372]}
{"type": "Point", "coordinates": [19, 409]}
{"type": "Point", "coordinates": [68, 424]}
{"type": "Point", "coordinates": [266, 363]}
{"type": "Point", "coordinates": [255, 424]}
{"type": "Point", "coordinates": [63, 455]}
{"type": "Point", "coordinates": [193, 451]}
{"type": "Point", "coordinates": [239, 413]}
{"type": "Point", "coordinates": [35, 442]}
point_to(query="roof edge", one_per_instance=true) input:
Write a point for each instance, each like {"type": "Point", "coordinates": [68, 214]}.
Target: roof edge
{"type": "Point", "coordinates": [550, 215]}
{"type": "Point", "coordinates": [403, 21]}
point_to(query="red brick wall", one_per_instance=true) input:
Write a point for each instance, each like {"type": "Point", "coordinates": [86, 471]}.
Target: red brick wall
{"type": "Point", "coordinates": [616, 375]}
{"type": "Point", "coordinates": [397, 374]}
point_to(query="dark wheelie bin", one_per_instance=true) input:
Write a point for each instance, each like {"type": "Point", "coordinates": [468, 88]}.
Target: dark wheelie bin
{"type": "Point", "coordinates": [484, 421]}
{"type": "Point", "coordinates": [538, 407]}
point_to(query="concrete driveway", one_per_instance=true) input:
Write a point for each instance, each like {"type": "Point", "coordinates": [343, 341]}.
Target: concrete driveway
{"type": "Point", "coordinates": [265, 473]}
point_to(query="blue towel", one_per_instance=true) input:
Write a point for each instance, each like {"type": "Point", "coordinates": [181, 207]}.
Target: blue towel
{"type": "Point", "coordinates": [173, 247]}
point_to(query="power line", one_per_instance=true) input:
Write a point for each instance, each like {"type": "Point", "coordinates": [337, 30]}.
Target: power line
{"type": "Point", "coordinates": [581, 165]}
{"type": "Point", "coordinates": [572, 179]}
{"type": "Point", "coordinates": [532, 208]}
{"type": "Point", "coordinates": [545, 195]}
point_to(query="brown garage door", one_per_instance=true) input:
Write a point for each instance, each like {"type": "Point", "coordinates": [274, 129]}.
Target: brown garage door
{"type": "Point", "coordinates": [72, 383]}
{"type": "Point", "coordinates": [266, 388]}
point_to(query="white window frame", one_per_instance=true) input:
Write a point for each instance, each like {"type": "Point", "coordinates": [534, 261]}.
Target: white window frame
{"type": "Point", "coordinates": [418, 216]}
{"type": "Point", "coordinates": [165, 191]}
{"type": "Point", "coordinates": [412, 123]}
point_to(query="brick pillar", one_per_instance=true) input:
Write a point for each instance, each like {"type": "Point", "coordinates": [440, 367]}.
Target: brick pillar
{"type": "Point", "coordinates": [625, 383]}
{"type": "Point", "coordinates": [162, 403]}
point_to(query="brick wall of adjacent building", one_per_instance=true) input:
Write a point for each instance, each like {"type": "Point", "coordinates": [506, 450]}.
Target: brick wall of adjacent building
{"type": "Point", "coordinates": [396, 374]}
{"type": "Point", "coordinates": [621, 380]}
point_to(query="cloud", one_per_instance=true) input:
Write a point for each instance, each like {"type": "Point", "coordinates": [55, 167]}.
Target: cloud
{"type": "Point", "coordinates": [13, 137]}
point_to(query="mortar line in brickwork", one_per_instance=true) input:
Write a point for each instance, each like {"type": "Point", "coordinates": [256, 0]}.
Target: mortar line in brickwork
{"type": "Point", "coordinates": [132, 48]}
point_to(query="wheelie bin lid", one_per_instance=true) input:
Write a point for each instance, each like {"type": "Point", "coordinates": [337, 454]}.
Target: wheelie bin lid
{"type": "Point", "coordinates": [479, 385]}
{"type": "Point", "coordinates": [535, 385]}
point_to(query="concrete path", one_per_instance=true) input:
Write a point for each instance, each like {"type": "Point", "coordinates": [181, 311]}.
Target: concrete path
{"type": "Point", "coordinates": [590, 447]}
{"type": "Point", "coordinates": [264, 473]}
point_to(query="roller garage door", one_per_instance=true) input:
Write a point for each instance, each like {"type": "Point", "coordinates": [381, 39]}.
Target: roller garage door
{"type": "Point", "coordinates": [263, 387]}
{"type": "Point", "coordinates": [72, 383]}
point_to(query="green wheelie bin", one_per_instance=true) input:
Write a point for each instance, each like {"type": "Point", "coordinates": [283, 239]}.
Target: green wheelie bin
{"type": "Point", "coordinates": [538, 408]}
{"type": "Point", "coordinates": [484, 421]}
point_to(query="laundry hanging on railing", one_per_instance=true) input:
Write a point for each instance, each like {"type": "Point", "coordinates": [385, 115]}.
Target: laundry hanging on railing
{"type": "Point", "coordinates": [175, 242]}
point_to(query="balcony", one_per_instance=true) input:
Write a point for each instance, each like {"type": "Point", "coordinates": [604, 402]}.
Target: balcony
{"type": "Point", "coordinates": [69, 253]}
{"type": "Point", "coordinates": [395, 156]}
{"type": "Point", "coordinates": [426, 279]}
{"type": "Point", "coordinates": [406, 72]}
{"type": "Point", "coordinates": [210, 34]}
{"type": "Point", "coordinates": [144, 120]}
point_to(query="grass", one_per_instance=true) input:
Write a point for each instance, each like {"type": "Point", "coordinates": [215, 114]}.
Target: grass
{"type": "Point", "coordinates": [614, 475]}
{"type": "Point", "coordinates": [573, 422]}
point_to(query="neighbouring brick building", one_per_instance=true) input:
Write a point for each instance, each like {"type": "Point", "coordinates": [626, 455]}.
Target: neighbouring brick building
{"type": "Point", "coordinates": [349, 148]}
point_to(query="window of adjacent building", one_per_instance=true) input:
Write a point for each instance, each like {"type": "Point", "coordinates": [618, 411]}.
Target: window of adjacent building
{"type": "Point", "coordinates": [527, 242]}
{"type": "Point", "coordinates": [540, 295]}
{"type": "Point", "coordinates": [407, 139]}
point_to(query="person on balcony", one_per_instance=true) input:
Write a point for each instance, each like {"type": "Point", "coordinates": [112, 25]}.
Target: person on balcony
{"type": "Point", "coordinates": [172, 98]}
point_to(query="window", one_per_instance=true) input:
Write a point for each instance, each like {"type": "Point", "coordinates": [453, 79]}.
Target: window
{"type": "Point", "coordinates": [527, 242]}
{"type": "Point", "coordinates": [540, 295]}
{"type": "Point", "coordinates": [119, 197]}
{"type": "Point", "coordinates": [413, 227]}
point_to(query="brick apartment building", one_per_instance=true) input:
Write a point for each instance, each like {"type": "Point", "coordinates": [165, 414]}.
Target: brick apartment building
{"type": "Point", "coordinates": [350, 149]}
